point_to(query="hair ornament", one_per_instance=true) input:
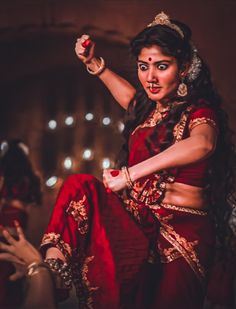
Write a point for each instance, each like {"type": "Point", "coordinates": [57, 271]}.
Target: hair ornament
{"type": "Point", "coordinates": [195, 65]}
{"type": "Point", "coordinates": [163, 19]}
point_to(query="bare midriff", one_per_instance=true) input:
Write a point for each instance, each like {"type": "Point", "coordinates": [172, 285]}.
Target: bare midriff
{"type": "Point", "coordinates": [180, 194]}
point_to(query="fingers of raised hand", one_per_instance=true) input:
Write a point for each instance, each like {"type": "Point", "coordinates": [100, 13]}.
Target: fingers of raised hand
{"type": "Point", "coordinates": [5, 247]}
{"type": "Point", "coordinates": [8, 237]}
{"type": "Point", "coordinates": [19, 230]}
{"type": "Point", "coordinates": [11, 258]}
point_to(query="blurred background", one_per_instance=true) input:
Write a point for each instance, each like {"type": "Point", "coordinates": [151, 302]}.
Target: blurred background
{"type": "Point", "coordinates": [67, 118]}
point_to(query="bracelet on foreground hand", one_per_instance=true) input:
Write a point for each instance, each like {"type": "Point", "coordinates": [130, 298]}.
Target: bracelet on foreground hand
{"type": "Point", "coordinates": [34, 267]}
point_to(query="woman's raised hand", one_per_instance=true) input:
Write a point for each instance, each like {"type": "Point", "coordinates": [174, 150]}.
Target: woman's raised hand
{"type": "Point", "coordinates": [84, 48]}
{"type": "Point", "coordinates": [114, 180]}
{"type": "Point", "coordinates": [18, 252]}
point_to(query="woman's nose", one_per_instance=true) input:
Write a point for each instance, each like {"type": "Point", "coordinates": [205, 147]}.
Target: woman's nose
{"type": "Point", "coordinates": [151, 75]}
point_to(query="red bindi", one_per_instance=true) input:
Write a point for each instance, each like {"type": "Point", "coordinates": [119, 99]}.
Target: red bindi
{"type": "Point", "coordinates": [149, 59]}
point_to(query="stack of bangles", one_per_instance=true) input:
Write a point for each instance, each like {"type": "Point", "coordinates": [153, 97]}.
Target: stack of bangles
{"type": "Point", "coordinates": [129, 182]}
{"type": "Point", "coordinates": [100, 69]}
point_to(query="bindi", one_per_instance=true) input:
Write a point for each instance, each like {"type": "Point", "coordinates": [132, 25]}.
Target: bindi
{"type": "Point", "coordinates": [149, 59]}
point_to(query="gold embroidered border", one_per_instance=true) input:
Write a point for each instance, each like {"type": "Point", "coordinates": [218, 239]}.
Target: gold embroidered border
{"type": "Point", "coordinates": [155, 118]}
{"type": "Point", "coordinates": [55, 239]}
{"type": "Point", "coordinates": [168, 255]}
{"type": "Point", "coordinates": [83, 285]}
{"type": "Point", "coordinates": [187, 251]}
{"type": "Point", "coordinates": [184, 209]}
{"type": "Point", "coordinates": [186, 248]}
{"type": "Point", "coordinates": [147, 191]}
{"type": "Point", "coordinates": [133, 208]}
{"type": "Point", "coordinates": [78, 210]}
{"type": "Point", "coordinates": [201, 120]}
{"type": "Point", "coordinates": [178, 131]}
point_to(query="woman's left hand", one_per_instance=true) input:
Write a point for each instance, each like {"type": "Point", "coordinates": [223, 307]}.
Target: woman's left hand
{"type": "Point", "coordinates": [114, 179]}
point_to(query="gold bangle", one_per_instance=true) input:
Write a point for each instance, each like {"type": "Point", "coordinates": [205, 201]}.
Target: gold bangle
{"type": "Point", "coordinates": [129, 182]}
{"type": "Point", "coordinates": [99, 70]}
{"type": "Point", "coordinates": [33, 268]}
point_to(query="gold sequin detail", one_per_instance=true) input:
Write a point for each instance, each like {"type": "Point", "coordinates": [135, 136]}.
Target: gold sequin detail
{"type": "Point", "coordinates": [55, 239]}
{"type": "Point", "coordinates": [202, 120]}
{"type": "Point", "coordinates": [168, 255]}
{"type": "Point", "coordinates": [178, 131]}
{"type": "Point", "coordinates": [155, 117]}
{"type": "Point", "coordinates": [184, 209]}
{"type": "Point", "coordinates": [181, 244]}
{"type": "Point", "coordinates": [78, 210]}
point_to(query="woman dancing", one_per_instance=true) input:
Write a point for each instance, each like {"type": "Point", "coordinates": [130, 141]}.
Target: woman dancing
{"type": "Point", "coordinates": [146, 236]}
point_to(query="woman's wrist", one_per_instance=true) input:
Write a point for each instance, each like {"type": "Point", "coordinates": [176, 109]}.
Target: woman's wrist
{"type": "Point", "coordinates": [96, 66]}
{"type": "Point", "coordinates": [132, 173]}
{"type": "Point", "coordinates": [128, 181]}
{"type": "Point", "coordinates": [34, 268]}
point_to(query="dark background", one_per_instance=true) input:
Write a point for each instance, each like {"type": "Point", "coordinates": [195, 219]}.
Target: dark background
{"type": "Point", "coordinates": [41, 78]}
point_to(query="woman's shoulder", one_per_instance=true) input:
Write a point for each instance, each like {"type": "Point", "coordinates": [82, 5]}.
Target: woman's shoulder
{"type": "Point", "coordinates": [202, 113]}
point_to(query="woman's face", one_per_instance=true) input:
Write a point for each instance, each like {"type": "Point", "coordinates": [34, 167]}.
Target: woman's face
{"type": "Point", "coordinates": [159, 74]}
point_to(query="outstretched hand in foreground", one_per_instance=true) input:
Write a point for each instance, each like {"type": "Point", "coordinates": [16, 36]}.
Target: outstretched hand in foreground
{"type": "Point", "coordinates": [19, 252]}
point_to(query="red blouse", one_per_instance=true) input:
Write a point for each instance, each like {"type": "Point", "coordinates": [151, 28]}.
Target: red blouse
{"type": "Point", "coordinates": [192, 174]}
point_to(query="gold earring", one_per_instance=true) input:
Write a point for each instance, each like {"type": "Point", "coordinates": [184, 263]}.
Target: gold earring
{"type": "Point", "coordinates": [182, 90]}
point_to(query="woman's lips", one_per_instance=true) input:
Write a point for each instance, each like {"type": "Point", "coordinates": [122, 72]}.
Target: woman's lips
{"type": "Point", "coordinates": [154, 89]}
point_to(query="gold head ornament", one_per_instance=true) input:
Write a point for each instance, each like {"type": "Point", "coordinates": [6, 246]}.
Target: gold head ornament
{"type": "Point", "coordinates": [163, 19]}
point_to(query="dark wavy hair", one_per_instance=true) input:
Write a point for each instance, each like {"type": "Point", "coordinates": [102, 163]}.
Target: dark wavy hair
{"type": "Point", "coordinates": [19, 179]}
{"type": "Point", "coordinates": [221, 176]}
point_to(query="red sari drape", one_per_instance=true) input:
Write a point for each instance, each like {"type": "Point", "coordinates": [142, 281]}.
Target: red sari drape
{"type": "Point", "coordinates": [131, 250]}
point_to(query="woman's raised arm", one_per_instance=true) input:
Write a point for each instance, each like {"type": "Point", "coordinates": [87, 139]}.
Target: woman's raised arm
{"type": "Point", "coordinates": [122, 91]}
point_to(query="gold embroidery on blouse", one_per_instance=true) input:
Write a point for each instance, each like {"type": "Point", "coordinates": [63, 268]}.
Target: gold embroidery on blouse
{"type": "Point", "coordinates": [153, 119]}
{"type": "Point", "coordinates": [55, 239]}
{"type": "Point", "coordinates": [202, 120]}
{"type": "Point", "coordinates": [78, 210]}
{"type": "Point", "coordinates": [178, 131]}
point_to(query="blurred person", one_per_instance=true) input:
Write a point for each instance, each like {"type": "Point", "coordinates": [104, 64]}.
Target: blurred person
{"type": "Point", "coordinates": [19, 190]}
{"type": "Point", "coordinates": [28, 263]}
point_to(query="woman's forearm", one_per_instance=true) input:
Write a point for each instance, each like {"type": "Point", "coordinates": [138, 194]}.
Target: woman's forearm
{"type": "Point", "coordinates": [40, 292]}
{"type": "Point", "coordinates": [185, 152]}
{"type": "Point", "coordinates": [122, 91]}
